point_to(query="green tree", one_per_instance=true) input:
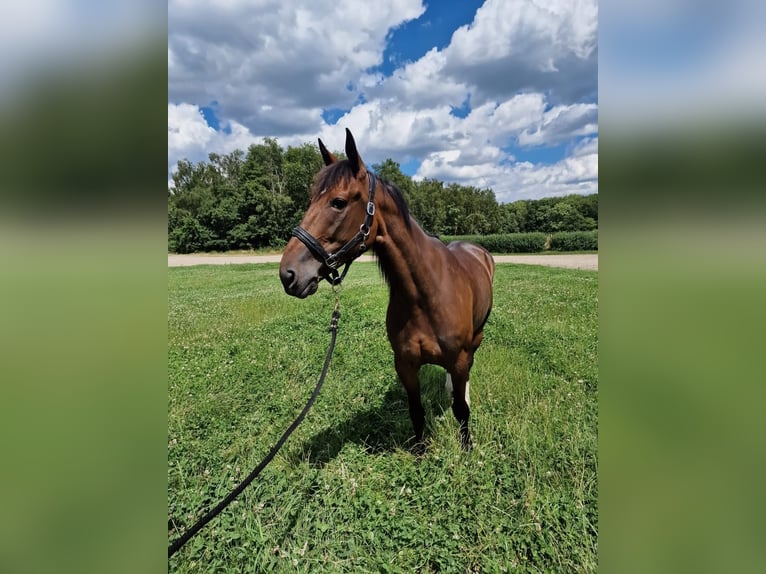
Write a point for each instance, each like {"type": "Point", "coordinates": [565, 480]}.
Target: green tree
{"type": "Point", "coordinates": [229, 168]}
{"type": "Point", "coordinates": [265, 221]}
{"type": "Point", "coordinates": [565, 217]}
{"type": "Point", "coordinates": [262, 167]}
{"type": "Point", "coordinates": [189, 237]}
{"type": "Point", "coordinates": [391, 171]}
{"type": "Point", "coordinates": [254, 199]}
{"type": "Point", "coordinates": [300, 166]}
{"type": "Point", "coordinates": [428, 205]}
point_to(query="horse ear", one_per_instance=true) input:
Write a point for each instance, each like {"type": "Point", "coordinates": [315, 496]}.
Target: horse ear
{"type": "Point", "coordinates": [357, 165]}
{"type": "Point", "coordinates": [326, 155]}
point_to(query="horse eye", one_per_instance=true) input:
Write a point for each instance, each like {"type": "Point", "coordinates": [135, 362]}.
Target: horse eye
{"type": "Point", "coordinates": [338, 203]}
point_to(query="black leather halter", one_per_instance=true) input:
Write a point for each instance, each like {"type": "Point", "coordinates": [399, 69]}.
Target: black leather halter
{"type": "Point", "coordinates": [347, 253]}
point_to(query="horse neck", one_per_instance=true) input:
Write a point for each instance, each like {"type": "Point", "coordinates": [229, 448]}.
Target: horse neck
{"type": "Point", "coordinates": [403, 255]}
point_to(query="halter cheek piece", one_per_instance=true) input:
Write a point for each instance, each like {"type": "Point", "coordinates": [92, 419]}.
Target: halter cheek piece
{"type": "Point", "coordinates": [347, 253]}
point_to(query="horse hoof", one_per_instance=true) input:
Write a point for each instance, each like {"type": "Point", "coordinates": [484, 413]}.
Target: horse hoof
{"type": "Point", "coordinates": [419, 448]}
{"type": "Point", "coordinates": [466, 442]}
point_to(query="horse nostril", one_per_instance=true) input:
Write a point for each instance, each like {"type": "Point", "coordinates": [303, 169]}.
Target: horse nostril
{"type": "Point", "coordinates": [288, 278]}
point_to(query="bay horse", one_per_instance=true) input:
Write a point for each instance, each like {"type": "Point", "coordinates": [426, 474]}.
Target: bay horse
{"type": "Point", "coordinates": [439, 296]}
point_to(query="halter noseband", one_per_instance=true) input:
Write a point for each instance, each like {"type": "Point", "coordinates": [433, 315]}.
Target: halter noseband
{"type": "Point", "coordinates": [343, 255]}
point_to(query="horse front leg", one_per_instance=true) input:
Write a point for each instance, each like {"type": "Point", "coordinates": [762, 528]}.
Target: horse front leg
{"type": "Point", "coordinates": [408, 374]}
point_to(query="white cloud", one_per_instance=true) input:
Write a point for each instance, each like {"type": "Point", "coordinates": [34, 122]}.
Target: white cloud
{"type": "Point", "coordinates": [470, 150]}
{"type": "Point", "coordinates": [587, 146]}
{"type": "Point", "coordinates": [541, 45]}
{"type": "Point", "coordinates": [527, 68]}
{"type": "Point", "coordinates": [187, 129]}
{"type": "Point", "coordinates": [508, 28]}
{"type": "Point", "coordinates": [523, 65]}
{"type": "Point", "coordinates": [422, 83]}
{"type": "Point", "coordinates": [561, 124]}
{"type": "Point", "coordinates": [191, 138]}
{"type": "Point", "coordinates": [383, 129]}
{"type": "Point", "coordinates": [386, 129]}
{"type": "Point", "coordinates": [545, 46]}
{"type": "Point", "coordinates": [577, 173]}
{"type": "Point", "coordinates": [245, 54]}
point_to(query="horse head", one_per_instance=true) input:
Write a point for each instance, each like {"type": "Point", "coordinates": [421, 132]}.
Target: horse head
{"type": "Point", "coordinates": [336, 225]}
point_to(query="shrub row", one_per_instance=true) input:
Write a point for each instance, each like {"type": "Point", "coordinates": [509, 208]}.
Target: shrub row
{"type": "Point", "coordinates": [574, 241]}
{"type": "Point", "coordinates": [532, 242]}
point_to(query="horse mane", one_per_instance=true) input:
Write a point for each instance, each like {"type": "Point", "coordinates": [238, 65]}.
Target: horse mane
{"type": "Point", "coordinates": [401, 204]}
{"type": "Point", "coordinates": [334, 173]}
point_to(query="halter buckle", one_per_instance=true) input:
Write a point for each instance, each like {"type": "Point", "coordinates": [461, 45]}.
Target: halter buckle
{"type": "Point", "coordinates": [331, 261]}
{"type": "Point", "coordinates": [370, 208]}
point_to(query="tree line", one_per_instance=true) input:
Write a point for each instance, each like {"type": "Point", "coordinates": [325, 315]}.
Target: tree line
{"type": "Point", "coordinates": [252, 200]}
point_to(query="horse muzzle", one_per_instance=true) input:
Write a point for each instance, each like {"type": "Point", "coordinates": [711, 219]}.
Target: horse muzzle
{"type": "Point", "coordinates": [296, 286]}
{"type": "Point", "coordinates": [299, 271]}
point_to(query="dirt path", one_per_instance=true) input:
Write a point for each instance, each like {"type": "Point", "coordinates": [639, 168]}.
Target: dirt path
{"type": "Point", "coordinates": [588, 261]}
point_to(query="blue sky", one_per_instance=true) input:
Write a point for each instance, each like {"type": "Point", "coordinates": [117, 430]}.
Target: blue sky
{"type": "Point", "coordinates": [434, 28]}
{"type": "Point", "coordinates": [495, 93]}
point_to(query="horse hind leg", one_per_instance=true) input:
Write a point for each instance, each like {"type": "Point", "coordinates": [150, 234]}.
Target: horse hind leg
{"type": "Point", "coordinates": [460, 403]}
{"type": "Point", "coordinates": [449, 389]}
{"type": "Point", "coordinates": [459, 390]}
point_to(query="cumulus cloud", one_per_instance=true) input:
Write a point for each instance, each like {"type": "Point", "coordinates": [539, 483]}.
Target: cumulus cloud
{"type": "Point", "coordinates": [562, 123]}
{"type": "Point", "coordinates": [294, 58]}
{"type": "Point", "coordinates": [422, 83]}
{"type": "Point", "coordinates": [523, 72]}
{"type": "Point", "coordinates": [387, 128]}
{"type": "Point", "coordinates": [547, 46]}
{"type": "Point", "coordinates": [471, 150]}
{"type": "Point", "coordinates": [190, 137]}
{"type": "Point", "coordinates": [544, 46]}
{"type": "Point", "coordinates": [587, 146]}
{"type": "Point", "coordinates": [524, 66]}
{"type": "Point", "coordinates": [577, 173]}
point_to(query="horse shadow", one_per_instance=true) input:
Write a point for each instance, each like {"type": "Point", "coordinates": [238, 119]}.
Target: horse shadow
{"type": "Point", "coordinates": [383, 428]}
{"type": "Point", "coordinates": [380, 429]}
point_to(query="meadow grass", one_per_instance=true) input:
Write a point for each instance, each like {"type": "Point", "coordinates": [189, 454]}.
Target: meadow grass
{"type": "Point", "coordinates": [345, 494]}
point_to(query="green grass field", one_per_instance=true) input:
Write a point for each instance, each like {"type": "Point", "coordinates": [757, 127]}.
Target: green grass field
{"type": "Point", "coordinates": [345, 494]}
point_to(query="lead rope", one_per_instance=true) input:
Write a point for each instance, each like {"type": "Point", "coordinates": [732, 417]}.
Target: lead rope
{"type": "Point", "coordinates": [187, 535]}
